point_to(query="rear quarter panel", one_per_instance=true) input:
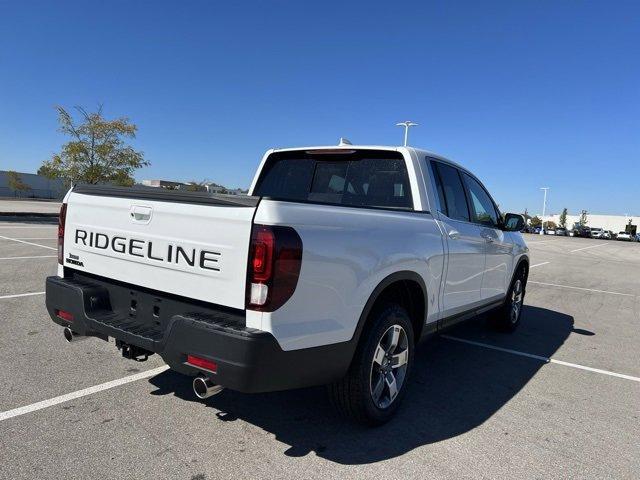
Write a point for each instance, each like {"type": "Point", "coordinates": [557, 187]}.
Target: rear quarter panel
{"type": "Point", "coordinates": [347, 252]}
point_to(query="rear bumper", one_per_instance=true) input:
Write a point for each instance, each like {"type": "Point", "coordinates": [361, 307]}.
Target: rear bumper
{"type": "Point", "coordinates": [248, 360]}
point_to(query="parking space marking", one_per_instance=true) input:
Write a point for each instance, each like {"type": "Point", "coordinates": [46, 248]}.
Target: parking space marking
{"type": "Point", "coordinates": [543, 359]}
{"type": "Point", "coordinates": [582, 288]}
{"type": "Point", "coordinates": [540, 243]}
{"type": "Point", "coordinates": [28, 243]}
{"type": "Point", "coordinates": [25, 258]}
{"type": "Point", "coordinates": [21, 295]}
{"type": "Point", "coordinates": [16, 412]}
{"type": "Point", "coordinates": [538, 265]}
{"type": "Point", "coordinates": [591, 246]}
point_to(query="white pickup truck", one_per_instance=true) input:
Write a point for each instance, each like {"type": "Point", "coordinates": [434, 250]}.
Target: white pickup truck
{"type": "Point", "coordinates": [329, 272]}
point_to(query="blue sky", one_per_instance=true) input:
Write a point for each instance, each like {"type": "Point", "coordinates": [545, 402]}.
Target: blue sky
{"type": "Point", "coordinates": [526, 93]}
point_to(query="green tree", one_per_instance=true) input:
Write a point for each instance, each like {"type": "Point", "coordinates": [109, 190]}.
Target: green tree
{"type": "Point", "coordinates": [583, 218]}
{"type": "Point", "coordinates": [535, 222]}
{"type": "Point", "coordinates": [97, 151]}
{"type": "Point", "coordinates": [563, 219]}
{"type": "Point", "coordinates": [15, 182]}
{"type": "Point", "coordinates": [550, 225]}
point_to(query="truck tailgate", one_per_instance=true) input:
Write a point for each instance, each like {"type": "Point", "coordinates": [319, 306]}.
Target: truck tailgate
{"type": "Point", "coordinates": [193, 245]}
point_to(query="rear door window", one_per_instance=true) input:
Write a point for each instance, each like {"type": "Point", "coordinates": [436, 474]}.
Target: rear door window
{"type": "Point", "coordinates": [483, 209]}
{"type": "Point", "coordinates": [360, 178]}
{"type": "Point", "coordinates": [453, 202]}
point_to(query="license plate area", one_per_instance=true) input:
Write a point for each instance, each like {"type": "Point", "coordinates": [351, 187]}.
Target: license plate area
{"type": "Point", "coordinates": [147, 309]}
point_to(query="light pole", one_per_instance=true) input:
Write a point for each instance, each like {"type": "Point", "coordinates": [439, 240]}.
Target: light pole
{"type": "Point", "coordinates": [544, 208]}
{"type": "Point", "coordinates": [408, 124]}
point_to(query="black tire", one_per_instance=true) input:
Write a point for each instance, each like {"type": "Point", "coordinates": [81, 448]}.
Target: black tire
{"type": "Point", "coordinates": [353, 396]}
{"type": "Point", "coordinates": [507, 317]}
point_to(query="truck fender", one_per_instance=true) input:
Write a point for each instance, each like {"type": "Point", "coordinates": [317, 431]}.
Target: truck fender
{"type": "Point", "coordinates": [392, 278]}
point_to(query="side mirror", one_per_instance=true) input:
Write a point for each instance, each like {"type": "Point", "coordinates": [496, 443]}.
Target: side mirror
{"type": "Point", "coordinates": [513, 222]}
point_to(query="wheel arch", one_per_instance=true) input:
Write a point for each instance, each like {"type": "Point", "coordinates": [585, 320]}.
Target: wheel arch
{"type": "Point", "coordinates": [522, 262]}
{"type": "Point", "coordinates": [411, 286]}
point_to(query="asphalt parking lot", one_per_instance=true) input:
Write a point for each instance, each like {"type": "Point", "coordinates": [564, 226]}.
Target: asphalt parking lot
{"type": "Point", "coordinates": [559, 398]}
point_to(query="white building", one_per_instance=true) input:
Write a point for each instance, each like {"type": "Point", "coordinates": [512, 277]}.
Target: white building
{"type": "Point", "coordinates": [615, 223]}
{"type": "Point", "coordinates": [36, 186]}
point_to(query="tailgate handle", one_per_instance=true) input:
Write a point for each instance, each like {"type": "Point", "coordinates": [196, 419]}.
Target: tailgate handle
{"type": "Point", "coordinates": [141, 214]}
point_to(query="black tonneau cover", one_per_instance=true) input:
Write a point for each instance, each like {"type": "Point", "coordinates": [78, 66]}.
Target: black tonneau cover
{"type": "Point", "coordinates": [162, 195]}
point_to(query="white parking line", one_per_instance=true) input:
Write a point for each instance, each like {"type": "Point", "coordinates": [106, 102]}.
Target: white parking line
{"type": "Point", "coordinates": [538, 265]}
{"type": "Point", "coordinates": [591, 246]}
{"type": "Point", "coordinates": [21, 295]}
{"type": "Point", "coordinates": [581, 288]}
{"type": "Point", "coordinates": [16, 412]}
{"type": "Point", "coordinates": [34, 238]}
{"type": "Point", "coordinates": [543, 359]}
{"type": "Point", "coordinates": [540, 243]}
{"type": "Point", "coordinates": [28, 243]}
{"type": "Point", "coordinates": [25, 258]}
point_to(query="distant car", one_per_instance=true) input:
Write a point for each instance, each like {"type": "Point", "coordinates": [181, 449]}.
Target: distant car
{"type": "Point", "coordinates": [581, 231]}
{"type": "Point", "coordinates": [536, 230]}
{"type": "Point", "coordinates": [597, 232]}
{"type": "Point", "coordinates": [550, 232]}
{"type": "Point", "coordinates": [607, 235]}
{"type": "Point", "coordinates": [561, 232]}
{"type": "Point", "coordinates": [626, 237]}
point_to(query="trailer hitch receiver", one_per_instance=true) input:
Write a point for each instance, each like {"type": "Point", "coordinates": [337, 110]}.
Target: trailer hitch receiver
{"type": "Point", "coordinates": [133, 352]}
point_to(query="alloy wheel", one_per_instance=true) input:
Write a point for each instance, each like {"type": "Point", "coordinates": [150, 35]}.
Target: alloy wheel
{"type": "Point", "coordinates": [389, 366]}
{"type": "Point", "coordinates": [516, 300]}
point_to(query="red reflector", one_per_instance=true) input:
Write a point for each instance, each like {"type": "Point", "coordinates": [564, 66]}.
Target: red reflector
{"type": "Point", "coordinates": [66, 316]}
{"type": "Point", "coordinates": [202, 363]}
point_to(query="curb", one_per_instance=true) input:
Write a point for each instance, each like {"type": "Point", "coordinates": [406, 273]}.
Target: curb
{"type": "Point", "coordinates": [29, 214]}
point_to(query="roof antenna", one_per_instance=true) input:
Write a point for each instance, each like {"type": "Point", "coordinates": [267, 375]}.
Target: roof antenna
{"type": "Point", "coordinates": [344, 141]}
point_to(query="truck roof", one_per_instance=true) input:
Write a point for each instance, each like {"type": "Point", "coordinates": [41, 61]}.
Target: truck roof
{"type": "Point", "coordinates": [417, 151]}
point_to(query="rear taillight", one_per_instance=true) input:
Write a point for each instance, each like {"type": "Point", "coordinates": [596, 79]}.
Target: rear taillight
{"type": "Point", "coordinates": [61, 221]}
{"type": "Point", "coordinates": [263, 245]}
{"type": "Point", "coordinates": [275, 256]}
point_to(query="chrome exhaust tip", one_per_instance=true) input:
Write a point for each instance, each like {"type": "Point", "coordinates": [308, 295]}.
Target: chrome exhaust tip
{"type": "Point", "coordinates": [71, 336]}
{"type": "Point", "coordinates": [203, 387]}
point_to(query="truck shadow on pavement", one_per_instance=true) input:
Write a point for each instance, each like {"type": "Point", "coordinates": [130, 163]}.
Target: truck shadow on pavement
{"type": "Point", "coordinates": [455, 387]}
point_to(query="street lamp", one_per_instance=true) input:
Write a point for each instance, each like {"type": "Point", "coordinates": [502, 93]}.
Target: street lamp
{"type": "Point", "coordinates": [408, 124]}
{"type": "Point", "coordinates": [544, 207]}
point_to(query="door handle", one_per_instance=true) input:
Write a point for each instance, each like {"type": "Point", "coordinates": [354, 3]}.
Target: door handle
{"type": "Point", "coordinates": [454, 234]}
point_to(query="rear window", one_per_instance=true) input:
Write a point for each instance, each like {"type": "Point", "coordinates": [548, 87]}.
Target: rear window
{"type": "Point", "coordinates": [360, 178]}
